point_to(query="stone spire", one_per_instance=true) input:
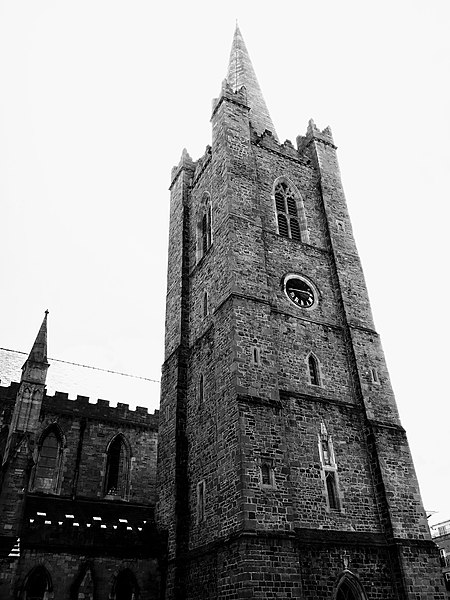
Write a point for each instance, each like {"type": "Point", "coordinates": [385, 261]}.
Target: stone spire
{"type": "Point", "coordinates": [39, 350]}
{"type": "Point", "coordinates": [36, 365]}
{"type": "Point", "coordinates": [241, 73]}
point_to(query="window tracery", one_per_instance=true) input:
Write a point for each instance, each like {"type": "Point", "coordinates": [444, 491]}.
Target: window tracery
{"type": "Point", "coordinates": [291, 219]}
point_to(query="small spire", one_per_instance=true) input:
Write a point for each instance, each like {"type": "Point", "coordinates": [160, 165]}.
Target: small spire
{"type": "Point", "coordinates": [241, 73]}
{"type": "Point", "coordinates": [39, 350]}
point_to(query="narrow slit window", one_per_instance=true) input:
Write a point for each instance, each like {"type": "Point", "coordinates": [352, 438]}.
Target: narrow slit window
{"type": "Point", "coordinates": [266, 474]}
{"type": "Point", "coordinates": [374, 375]}
{"type": "Point", "coordinates": [330, 480]}
{"type": "Point", "coordinates": [205, 304]}
{"type": "Point", "coordinates": [201, 389]}
{"type": "Point", "coordinates": [313, 369]}
{"type": "Point", "coordinates": [256, 355]}
{"type": "Point", "coordinates": [201, 489]}
{"type": "Point", "coordinates": [204, 229]}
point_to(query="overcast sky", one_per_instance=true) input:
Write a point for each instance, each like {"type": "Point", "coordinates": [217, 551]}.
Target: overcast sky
{"type": "Point", "coordinates": [98, 99]}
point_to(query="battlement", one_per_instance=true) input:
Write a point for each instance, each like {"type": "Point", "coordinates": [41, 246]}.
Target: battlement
{"type": "Point", "coordinates": [287, 149]}
{"type": "Point", "coordinates": [81, 406]}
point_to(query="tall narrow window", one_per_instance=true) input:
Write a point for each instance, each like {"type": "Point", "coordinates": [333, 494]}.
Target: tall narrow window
{"type": "Point", "coordinates": [204, 230]}
{"type": "Point", "coordinates": [47, 470]}
{"type": "Point", "coordinates": [83, 586]}
{"type": "Point", "coordinates": [329, 470]}
{"type": "Point", "coordinates": [205, 304]}
{"type": "Point", "coordinates": [201, 489]}
{"type": "Point", "coordinates": [291, 217]}
{"type": "Point", "coordinates": [201, 389]}
{"type": "Point", "coordinates": [38, 584]}
{"type": "Point", "coordinates": [117, 468]}
{"type": "Point", "coordinates": [313, 370]}
{"type": "Point", "coordinates": [330, 480]}
{"type": "Point", "coordinates": [125, 586]}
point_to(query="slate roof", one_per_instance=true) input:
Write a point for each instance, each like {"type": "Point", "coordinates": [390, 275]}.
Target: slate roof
{"type": "Point", "coordinates": [85, 381]}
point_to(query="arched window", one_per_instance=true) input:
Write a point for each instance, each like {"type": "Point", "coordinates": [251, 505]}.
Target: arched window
{"type": "Point", "coordinates": [291, 218]}
{"type": "Point", "coordinates": [349, 588]}
{"type": "Point", "coordinates": [204, 227]}
{"type": "Point", "coordinates": [83, 586]}
{"type": "Point", "coordinates": [313, 370]}
{"type": "Point", "coordinates": [125, 586]}
{"type": "Point", "coordinates": [38, 584]}
{"type": "Point", "coordinates": [48, 464]}
{"type": "Point", "coordinates": [201, 389]}
{"type": "Point", "coordinates": [117, 468]}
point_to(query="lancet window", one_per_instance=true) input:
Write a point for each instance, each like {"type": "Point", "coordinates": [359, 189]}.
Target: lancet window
{"type": "Point", "coordinates": [48, 464]}
{"type": "Point", "coordinates": [204, 226]}
{"type": "Point", "coordinates": [117, 468]}
{"type": "Point", "coordinates": [329, 470]}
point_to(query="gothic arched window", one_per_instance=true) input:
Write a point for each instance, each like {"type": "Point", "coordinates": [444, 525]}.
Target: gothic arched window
{"type": "Point", "coordinates": [313, 370]}
{"type": "Point", "coordinates": [83, 586]}
{"type": "Point", "coordinates": [38, 584]}
{"type": "Point", "coordinates": [201, 389]}
{"type": "Point", "coordinates": [291, 219]}
{"type": "Point", "coordinates": [117, 468]}
{"type": "Point", "coordinates": [48, 464]}
{"type": "Point", "coordinates": [349, 588]}
{"type": "Point", "coordinates": [125, 586]}
{"type": "Point", "coordinates": [204, 227]}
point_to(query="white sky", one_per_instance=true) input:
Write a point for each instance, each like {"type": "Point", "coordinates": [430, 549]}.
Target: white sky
{"type": "Point", "coordinates": [98, 99]}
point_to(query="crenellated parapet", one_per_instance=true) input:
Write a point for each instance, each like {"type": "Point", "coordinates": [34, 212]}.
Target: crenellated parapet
{"type": "Point", "coordinates": [82, 407]}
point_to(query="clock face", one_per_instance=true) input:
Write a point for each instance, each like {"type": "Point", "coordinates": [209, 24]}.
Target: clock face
{"type": "Point", "coordinates": [299, 292]}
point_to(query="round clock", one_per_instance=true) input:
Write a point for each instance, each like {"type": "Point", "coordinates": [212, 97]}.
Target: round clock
{"type": "Point", "coordinates": [299, 291]}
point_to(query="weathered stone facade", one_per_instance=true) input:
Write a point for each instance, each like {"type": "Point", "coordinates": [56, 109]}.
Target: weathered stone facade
{"type": "Point", "coordinates": [282, 468]}
{"type": "Point", "coordinates": [76, 517]}
{"type": "Point", "coordinates": [273, 484]}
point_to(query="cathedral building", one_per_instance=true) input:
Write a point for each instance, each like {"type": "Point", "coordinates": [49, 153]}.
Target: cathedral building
{"type": "Point", "coordinates": [282, 468]}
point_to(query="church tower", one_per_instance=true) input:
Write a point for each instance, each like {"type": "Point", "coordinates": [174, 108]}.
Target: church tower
{"type": "Point", "coordinates": [284, 471]}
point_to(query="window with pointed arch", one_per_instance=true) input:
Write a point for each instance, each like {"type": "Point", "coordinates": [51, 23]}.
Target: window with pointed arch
{"type": "Point", "coordinates": [47, 470]}
{"type": "Point", "coordinates": [349, 588]}
{"type": "Point", "coordinates": [83, 586]}
{"type": "Point", "coordinates": [329, 470]}
{"type": "Point", "coordinates": [117, 468]}
{"type": "Point", "coordinates": [291, 218]}
{"type": "Point", "coordinates": [125, 586]}
{"type": "Point", "coordinates": [38, 585]}
{"type": "Point", "coordinates": [204, 227]}
{"type": "Point", "coordinates": [313, 370]}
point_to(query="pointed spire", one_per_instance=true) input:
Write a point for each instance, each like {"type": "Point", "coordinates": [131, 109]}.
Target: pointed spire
{"type": "Point", "coordinates": [241, 73]}
{"type": "Point", "coordinates": [39, 350]}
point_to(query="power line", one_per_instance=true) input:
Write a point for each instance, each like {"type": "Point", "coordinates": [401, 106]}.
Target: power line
{"type": "Point", "coordinates": [67, 362]}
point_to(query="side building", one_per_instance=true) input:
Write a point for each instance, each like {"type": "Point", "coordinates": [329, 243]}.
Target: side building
{"type": "Point", "coordinates": [440, 532]}
{"type": "Point", "coordinates": [77, 495]}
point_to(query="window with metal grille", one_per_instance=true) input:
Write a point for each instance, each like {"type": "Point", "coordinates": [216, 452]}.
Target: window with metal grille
{"type": "Point", "coordinates": [48, 463]}
{"type": "Point", "coordinates": [287, 211]}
